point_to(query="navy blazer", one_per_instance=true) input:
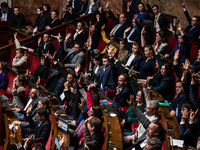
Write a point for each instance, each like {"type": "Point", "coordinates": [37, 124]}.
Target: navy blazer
{"type": "Point", "coordinates": [191, 33]}
{"type": "Point", "coordinates": [49, 47]}
{"type": "Point", "coordinates": [108, 77]}
{"type": "Point", "coordinates": [184, 50]}
{"type": "Point", "coordinates": [162, 21]}
{"type": "Point", "coordinates": [124, 95]}
{"type": "Point", "coordinates": [135, 36]}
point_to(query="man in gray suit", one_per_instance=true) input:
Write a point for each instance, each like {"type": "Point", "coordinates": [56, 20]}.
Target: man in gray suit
{"type": "Point", "coordinates": [74, 55]}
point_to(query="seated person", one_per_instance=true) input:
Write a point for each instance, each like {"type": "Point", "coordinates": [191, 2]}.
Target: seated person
{"type": "Point", "coordinates": [148, 63]}
{"type": "Point", "coordinates": [146, 123]}
{"type": "Point", "coordinates": [94, 73]}
{"type": "Point", "coordinates": [129, 117]}
{"type": "Point", "coordinates": [3, 77]}
{"type": "Point", "coordinates": [162, 43]}
{"type": "Point", "coordinates": [162, 81]}
{"type": "Point", "coordinates": [109, 45]}
{"type": "Point", "coordinates": [79, 35]}
{"type": "Point", "coordinates": [196, 63]}
{"type": "Point", "coordinates": [47, 14]}
{"type": "Point", "coordinates": [120, 24]}
{"type": "Point", "coordinates": [54, 20]}
{"type": "Point", "coordinates": [83, 6]}
{"type": "Point", "coordinates": [183, 46]}
{"type": "Point", "coordinates": [94, 35]}
{"type": "Point", "coordinates": [70, 13]}
{"type": "Point", "coordinates": [71, 99]}
{"type": "Point", "coordinates": [5, 12]}
{"type": "Point", "coordinates": [160, 22]}
{"type": "Point", "coordinates": [40, 22]}
{"type": "Point", "coordinates": [74, 55]}
{"type": "Point", "coordinates": [188, 127]}
{"type": "Point", "coordinates": [42, 70]}
{"type": "Point", "coordinates": [44, 46]}
{"type": "Point", "coordinates": [192, 29]}
{"type": "Point", "coordinates": [122, 51]}
{"type": "Point", "coordinates": [17, 20]}
{"type": "Point", "coordinates": [93, 5]}
{"type": "Point", "coordinates": [18, 91]}
{"type": "Point", "coordinates": [93, 135]}
{"type": "Point", "coordinates": [107, 80]}
{"type": "Point", "coordinates": [147, 37]}
{"type": "Point", "coordinates": [41, 127]}
{"type": "Point", "coordinates": [140, 11]}
{"type": "Point", "coordinates": [123, 90]}
{"type": "Point", "coordinates": [20, 59]}
{"type": "Point", "coordinates": [133, 59]}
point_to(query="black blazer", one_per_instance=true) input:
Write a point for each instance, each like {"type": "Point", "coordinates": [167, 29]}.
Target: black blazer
{"type": "Point", "coordinates": [120, 31]}
{"type": "Point", "coordinates": [13, 21]}
{"type": "Point", "coordinates": [123, 95]}
{"type": "Point", "coordinates": [81, 38]}
{"type": "Point", "coordinates": [72, 103]}
{"type": "Point", "coordinates": [41, 132]}
{"type": "Point", "coordinates": [41, 23]}
{"type": "Point", "coordinates": [55, 23]}
{"type": "Point", "coordinates": [191, 33]}
{"type": "Point", "coordinates": [162, 21]}
{"type": "Point", "coordinates": [49, 47]}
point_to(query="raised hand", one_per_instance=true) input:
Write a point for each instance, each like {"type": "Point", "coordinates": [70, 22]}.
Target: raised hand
{"type": "Point", "coordinates": [81, 105]}
{"type": "Point", "coordinates": [193, 115]}
{"type": "Point", "coordinates": [39, 41]}
{"type": "Point", "coordinates": [67, 36]}
{"type": "Point", "coordinates": [98, 17]}
{"type": "Point", "coordinates": [77, 69]}
{"type": "Point", "coordinates": [15, 35]}
{"type": "Point", "coordinates": [131, 101]}
{"type": "Point", "coordinates": [38, 81]}
{"type": "Point", "coordinates": [66, 85]}
{"type": "Point", "coordinates": [107, 6]}
{"type": "Point", "coordinates": [100, 9]}
{"type": "Point", "coordinates": [28, 111]}
{"type": "Point", "coordinates": [186, 65]}
{"type": "Point", "coordinates": [127, 29]}
{"type": "Point", "coordinates": [103, 26]}
{"type": "Point", "coordinates": [171, 28]}
{"type": "Point", "coordinates": [176, 55]}
{"type": "Point", "coordinates": [143, 30]}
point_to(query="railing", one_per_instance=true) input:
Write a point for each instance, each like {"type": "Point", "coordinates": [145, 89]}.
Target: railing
{"type": "Point", "coordinates": [29, 41]}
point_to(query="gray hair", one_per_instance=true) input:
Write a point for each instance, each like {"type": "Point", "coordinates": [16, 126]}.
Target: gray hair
{"type": "Point", "coordinates": [154, 104]}
{"type": "Point", "coordinates": [155, 143]}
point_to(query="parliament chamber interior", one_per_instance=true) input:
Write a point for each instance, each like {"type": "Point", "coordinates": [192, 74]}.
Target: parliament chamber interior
{"type": "Point", "coordinates": [100, 75]}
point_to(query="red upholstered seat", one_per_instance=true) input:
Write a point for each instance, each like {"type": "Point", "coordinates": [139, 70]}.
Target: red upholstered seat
{"type": "Point", "coordinates": [12, 56]}
{"type": "Point", "coordinates": [133, 126]}
{"type": "Point", "coordinates": [102, 45]}
{"type": "Point", "coordinates": [56, 44]}
{"type": "Point", "coordinates": [110, 94]}
{"type": "Point", "coordinates": [35, 64]}
{"type": "Point", "coordinates": [109, 25]}
{"type": "Point", "coordinates": [172, 43]}
{"type": "Point", "coordinates": [193, 52]}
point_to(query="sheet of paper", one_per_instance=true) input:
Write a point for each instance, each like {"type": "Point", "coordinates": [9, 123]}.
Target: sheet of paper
{"type": "Point", "coordinates": [178, 143]}
{"type": "Point", "coordinates": [24, 47]}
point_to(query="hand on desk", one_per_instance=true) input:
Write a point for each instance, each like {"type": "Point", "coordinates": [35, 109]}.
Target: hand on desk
{"type": "Point", "coordinates": [15, 110]}
{"type": "Point", "coordinates": [127, 138]}
{"type": "Point", "coordinates": [14, 135]}
{"type": "Point", "coordinates": [62, 141]}
{"type": "Point", "coordinates": [16, 122]}
{"type": "Point", "coordinates": [30, 49]}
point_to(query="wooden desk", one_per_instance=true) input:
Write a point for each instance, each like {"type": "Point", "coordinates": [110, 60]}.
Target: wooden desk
{"type": "Point", "coordinates": [167, 121]}
{"type": "Point", "coordinates": [113, 133]}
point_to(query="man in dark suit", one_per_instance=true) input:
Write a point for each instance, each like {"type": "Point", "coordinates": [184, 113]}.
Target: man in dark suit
{"type": "Point", "coordinates": [74, 55]}
{"type": "Point", "coordinates": [44, 46]}
{"type": "Point", "coordinates": [41, 127]}
{"type": "Point", "coordinates": [40, 23]}
{"type": "Point", "coordinates": [107, 80]}
{"type": "Point", "coordinates": [123, 90]}
{"type": "Point", "coordinates": [120, 24]}
{"type": "Point", "coordinates": [17, 19]}
{"type": "Point", "coordinates": [193, 28]}
{"type": "Point", "coordinates": [5, 12]}
{"type": "Point", "coordinates": [159, 20]}
{"type": "Point", "coordinates": [133, 58]}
